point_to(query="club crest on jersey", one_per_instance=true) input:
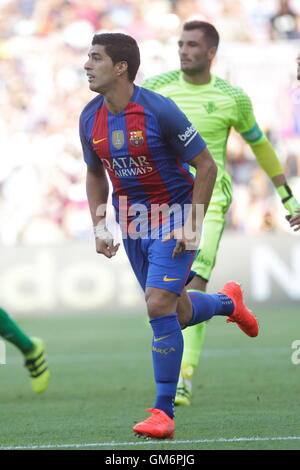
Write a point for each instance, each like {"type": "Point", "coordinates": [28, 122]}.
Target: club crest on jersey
{"type": "Point", "coordinates": [210, 107]}
{"type": "Point", "coordinates": [118, 139]}
{"type": "Point", "coordinates": [136, 138]}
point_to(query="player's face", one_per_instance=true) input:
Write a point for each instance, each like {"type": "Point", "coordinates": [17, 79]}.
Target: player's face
{"type": "Point", "coordinates": [100, 69]}
{"type": "Point", "coordinates": [194, 53]}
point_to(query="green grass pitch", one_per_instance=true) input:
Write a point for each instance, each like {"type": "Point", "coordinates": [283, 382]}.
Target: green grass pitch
{"type": "Point", "coordinates": [102, 383]}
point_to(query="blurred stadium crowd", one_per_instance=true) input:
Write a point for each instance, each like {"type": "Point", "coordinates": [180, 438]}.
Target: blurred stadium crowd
{"type": "Point", "coordinates": [43, 46]}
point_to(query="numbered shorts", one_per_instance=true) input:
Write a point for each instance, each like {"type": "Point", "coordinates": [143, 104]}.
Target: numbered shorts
{"type": "Point", "coordinates": [212, 230]}
{"type": "Point", "coordinates": [153, 265]}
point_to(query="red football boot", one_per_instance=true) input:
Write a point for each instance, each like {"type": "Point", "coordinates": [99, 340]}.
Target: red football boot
{"type": "Point", "coordinates": [241, 315]}
{"type": "Point", "coordinates": [159, 425]}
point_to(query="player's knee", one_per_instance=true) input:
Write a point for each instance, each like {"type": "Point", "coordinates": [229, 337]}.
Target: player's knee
{"type": "Point", "coordinates": [198, 283]}
{"type": "Point", "coordinates": [158, 305]}
{"type": "Point", "coordinates": [155, 307]}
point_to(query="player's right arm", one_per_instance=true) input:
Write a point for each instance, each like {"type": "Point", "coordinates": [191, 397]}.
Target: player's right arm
{"type": "Point", "coordinates": [97, 190]}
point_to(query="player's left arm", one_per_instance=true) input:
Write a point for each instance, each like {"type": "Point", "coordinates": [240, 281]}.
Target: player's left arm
{"type": "Point", "coordinates": [205, 178]}
{"type": "Point", "coordinates": [265, 153]}
{"type": "Point", "coordinates": [188, 238]}
{"type": "Point", "coordinates": [269, 162]}
{"type": "Point", "coordinates": [187, 142]}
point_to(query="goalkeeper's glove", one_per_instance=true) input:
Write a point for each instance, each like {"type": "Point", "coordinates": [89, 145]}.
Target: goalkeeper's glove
{"type": "Point", "coordinates": [288, 200]}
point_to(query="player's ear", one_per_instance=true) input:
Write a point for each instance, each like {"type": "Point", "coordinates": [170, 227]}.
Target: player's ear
{"type": "Point", "coordinates": [212, 52]}
{"type": "Point", "coordinates": [121, 67]}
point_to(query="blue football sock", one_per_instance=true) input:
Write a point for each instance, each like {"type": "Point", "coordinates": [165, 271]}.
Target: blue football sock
{"type": "Point", "coordinates": [206, 306]}
{"type": "Point", "coordinates": [227, 304]}
{"type": "Point", "coordinates": [167, 350]}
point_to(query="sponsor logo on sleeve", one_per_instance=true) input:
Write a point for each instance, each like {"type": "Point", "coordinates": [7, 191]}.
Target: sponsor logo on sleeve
{"type": "Point", "coordinates": [188, 135]}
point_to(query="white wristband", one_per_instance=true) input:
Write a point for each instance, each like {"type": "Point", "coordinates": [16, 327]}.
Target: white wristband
{"type": "Point", "coordinates": [101, 232]}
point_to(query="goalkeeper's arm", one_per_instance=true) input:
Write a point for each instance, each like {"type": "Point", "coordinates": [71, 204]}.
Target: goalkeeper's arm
{"type": "Point", "coordinates": [265, 154]}
{"type": "Point", "coordinates": [269, 162]}
{"type": "Point", "coordinates": [295, 221]}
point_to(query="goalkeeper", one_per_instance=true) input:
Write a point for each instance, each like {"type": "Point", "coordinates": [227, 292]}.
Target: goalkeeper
{"type": "Point", "coordinates": [213, 105]}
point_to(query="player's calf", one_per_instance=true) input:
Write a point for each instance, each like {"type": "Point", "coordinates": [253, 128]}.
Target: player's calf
{"type": "Point", "coordinates": [228, 302]}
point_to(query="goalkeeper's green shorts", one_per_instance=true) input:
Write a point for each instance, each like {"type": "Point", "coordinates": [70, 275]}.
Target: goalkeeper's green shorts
{"type": "Point", "coordinates": [213, 226]}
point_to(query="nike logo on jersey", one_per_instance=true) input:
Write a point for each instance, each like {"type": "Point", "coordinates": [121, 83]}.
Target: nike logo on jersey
{"type": "Point", "coordinates": [168, 279]}
{"type": "Point", "coordinates": [100, 140]}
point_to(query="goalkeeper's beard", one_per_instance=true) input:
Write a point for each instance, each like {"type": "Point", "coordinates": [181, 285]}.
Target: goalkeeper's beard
{"type": "Point", "coordinates": [193, 71]}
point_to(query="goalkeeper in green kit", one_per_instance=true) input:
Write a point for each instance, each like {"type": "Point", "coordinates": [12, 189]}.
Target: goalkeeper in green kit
{"type": "Point", "coordinates": [213, 105]}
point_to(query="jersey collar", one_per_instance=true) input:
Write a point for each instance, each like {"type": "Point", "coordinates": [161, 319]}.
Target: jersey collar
{"type": "Point", "coordinates": [192, 87]}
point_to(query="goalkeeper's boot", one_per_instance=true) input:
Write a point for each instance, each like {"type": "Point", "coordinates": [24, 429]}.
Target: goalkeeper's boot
{"type": "Point", "coordinates": [241, 315]}
{"type": "Point", "coordinates": [158, 426]}
{"type": "Point", "coordinates": [184, 387]}
{"type": "Point", "coordinates": [183, 393]}
{"type": "Point", "coordinates": [36, 363]}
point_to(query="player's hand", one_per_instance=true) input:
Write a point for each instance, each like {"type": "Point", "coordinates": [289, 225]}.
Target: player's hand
{"type": "Point", "coordinates": [184, 243]}
{"type": "Point", "coordinates": [288, 200]}
{"type": "Point", "coordinates": [292, 205]}
{"type": "Point", "coordinates": [105, 243]}
{"type": "Point", "coordinates": [295, 220]}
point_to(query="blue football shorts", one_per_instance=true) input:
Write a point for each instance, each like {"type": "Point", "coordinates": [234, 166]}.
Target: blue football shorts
{"type": "Point", "coordinates": [153, 265]}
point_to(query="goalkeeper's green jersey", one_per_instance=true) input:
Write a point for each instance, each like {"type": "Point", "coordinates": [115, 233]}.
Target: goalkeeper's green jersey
{"type": "Point", "coordinates": [213, 108]}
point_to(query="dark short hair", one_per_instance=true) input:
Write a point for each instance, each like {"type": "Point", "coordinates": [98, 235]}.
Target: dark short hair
{"type": "Point", "coordinates": [210, 33]}
{"type": "Point", "coordinates": [120, 47]}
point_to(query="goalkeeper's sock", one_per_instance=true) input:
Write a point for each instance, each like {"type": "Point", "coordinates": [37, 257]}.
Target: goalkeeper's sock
{"type": "Point", "coordinates": [193, 339]}
{"type": "Point", "coordinates": [205, 306]}
{"type": "Point", "coordinates": [10, 331]}
{"type": "Point", "coordinates": [167, 348]}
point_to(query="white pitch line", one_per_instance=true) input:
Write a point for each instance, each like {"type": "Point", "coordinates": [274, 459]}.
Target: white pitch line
{"type": "Point", "coordinates": [156, 442]}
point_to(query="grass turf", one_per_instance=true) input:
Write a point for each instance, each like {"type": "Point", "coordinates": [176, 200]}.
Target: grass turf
{"type": "Point", "coordinates": [102, 383]}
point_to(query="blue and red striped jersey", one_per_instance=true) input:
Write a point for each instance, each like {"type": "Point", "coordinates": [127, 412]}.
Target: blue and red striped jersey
{"type": "Point", "coordinates": [145, 149]}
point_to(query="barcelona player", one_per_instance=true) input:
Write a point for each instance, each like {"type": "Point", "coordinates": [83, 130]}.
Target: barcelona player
{"type": "Point", "coordinates": [213, 105]}
{"type": "Point", "coordinates": [145, 144]}
{"type": "Point", "coordinates": [33, 350]}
